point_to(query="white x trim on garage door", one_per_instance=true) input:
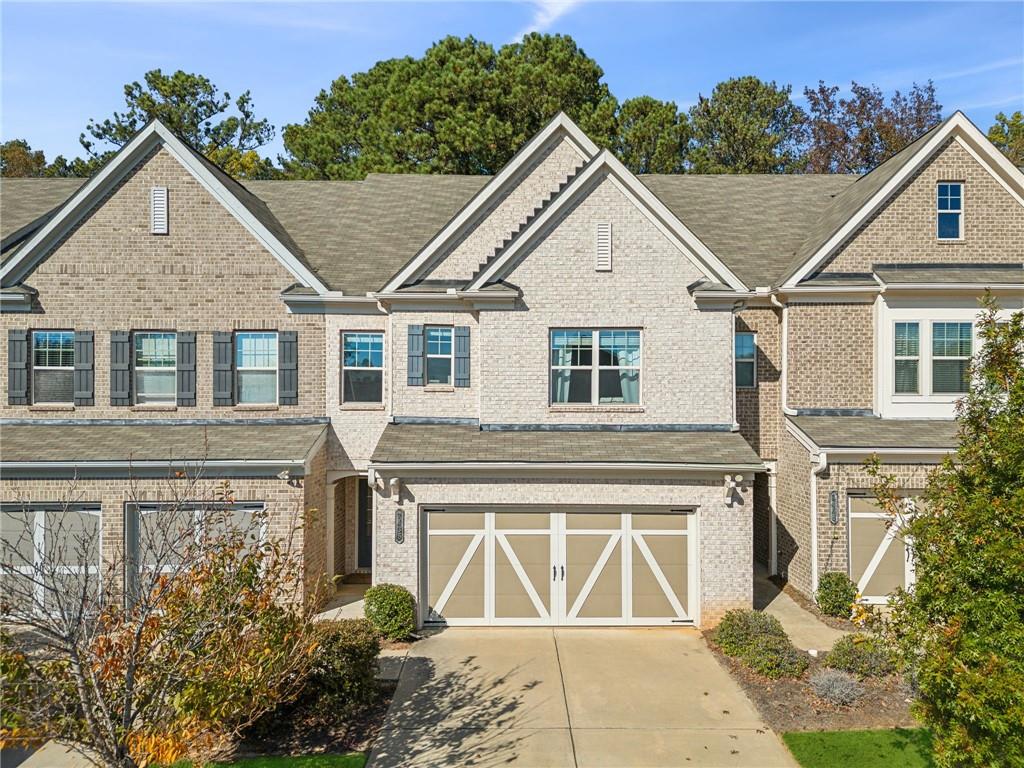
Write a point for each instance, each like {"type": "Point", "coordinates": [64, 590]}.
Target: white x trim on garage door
{"type": "Point", "coordinates": [526, 566]}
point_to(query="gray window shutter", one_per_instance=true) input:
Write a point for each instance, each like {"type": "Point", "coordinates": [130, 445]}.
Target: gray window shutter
{"type": "Point", "coordinates": [84, 376]}
{"type": "Point", "coordinates": [462, 356]}
{"type": "Point", "coordinates": [120, 368]}
{"type": "Point", "coordinates": [416, 378]}
{"type": "Point", "coordinates": [288, 368]}
{"type": "Point", "coordinates": [186, 368]}
{"type": "Point", "coordinates": [17, 367]}
{"type": "Point", "coordinates": [223, 368]}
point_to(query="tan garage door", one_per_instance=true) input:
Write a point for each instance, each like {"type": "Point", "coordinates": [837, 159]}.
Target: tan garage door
{"type": "Point", "coordinates": [879, 559]}
{"type": "Point", "coordinates": [526, 566]}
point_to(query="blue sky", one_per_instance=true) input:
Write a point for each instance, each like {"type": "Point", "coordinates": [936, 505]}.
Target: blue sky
{"type": "Point", "coordinates": [63, 63]}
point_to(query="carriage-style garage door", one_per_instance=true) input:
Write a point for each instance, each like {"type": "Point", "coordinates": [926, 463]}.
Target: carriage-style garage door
{"type": "Point", "coordinates": [879, 559]}
{"type": "Point", "coordinates": [534, 566]}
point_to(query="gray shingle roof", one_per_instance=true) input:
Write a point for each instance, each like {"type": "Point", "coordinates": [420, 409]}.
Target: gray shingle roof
{"type": "Point", "coordinates": [871, 433]}
{"type": "Point", "coordinates": [979, 274]}
{"type": "Point", "coordinates": [403, 443]}
{"type": "Point", "coordinates": [23, 201]}
{"type": "Point", "coordinates": [157, 442]}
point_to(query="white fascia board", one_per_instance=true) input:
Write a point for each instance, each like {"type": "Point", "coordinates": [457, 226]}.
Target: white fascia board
{"type": "Point", "coordinates": [645, 200]}
{"type": "Point", "coordinates": [560, 123]}
{"type": "Point", "coordinates": [978, 288]}
{"type": "Point", "coordinates": [82, 201]}
{"type": "Point", "coordinates": [332, 303]}
{"type": "Point", "coordinates": [803, 438]}
{"type": "Point", "coordinates": [161, 464]}
{"type": "Point", "coordinates": [398, 469]}
{"type": "Point", "coordinates": [314, 449]}
{"type": "Point", "coordinates": [985, 152]}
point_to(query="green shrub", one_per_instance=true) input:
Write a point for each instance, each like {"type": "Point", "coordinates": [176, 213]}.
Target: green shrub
{"type": "Point", "coordinates": [836, 687]}
{"type": "Point", "coordinates": [392, 609]}
{"type": "Point", "coordinates": [775, 657]}
{"type": "Point", "coordinates": [861, 655]}
{"type": "Point", "coordinates": [344, 671]}
{"type": "Point", "coordinates": [739, 627]}
{"type": "Point", "coordinates": [836, 594]}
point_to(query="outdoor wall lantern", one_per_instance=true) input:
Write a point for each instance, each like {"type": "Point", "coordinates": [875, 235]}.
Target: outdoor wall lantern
{"type": "Point", "coordinates": [395, 487]}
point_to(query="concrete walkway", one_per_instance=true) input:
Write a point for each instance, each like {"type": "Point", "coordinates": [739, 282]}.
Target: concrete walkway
{"type": "Point", "coordinates": [347, 602]}
{"type": "Point", "coordinates": [573, 698]}
{"type": "Point", "coordinates": [805, 629]}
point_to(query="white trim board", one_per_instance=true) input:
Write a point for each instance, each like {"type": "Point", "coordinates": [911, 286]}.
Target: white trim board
{"type": "Point", "coordinates": [646, 201]}
{"type": "Point", "coordinates": [559, 126]}
{"type": "Point", "coordinates": [79, 204]}
{"type": "Point", "coordinates": [969, 137]}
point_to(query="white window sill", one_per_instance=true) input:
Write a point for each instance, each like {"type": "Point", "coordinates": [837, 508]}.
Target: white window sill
{"type": "Point", "coordinates": [581, 408]}
{"type": "Point", "coordinates": [362, 406]}
{"type": "Point", "coordinates": [42, 407]}
{"type": "Point", "coordinates": [439, 388]}
{"type": "Point", "coordinates": [928, 398]}
{"type": "Point", "coordinates": [257, 407]}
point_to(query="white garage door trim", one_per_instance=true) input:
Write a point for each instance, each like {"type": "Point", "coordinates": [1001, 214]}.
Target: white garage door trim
{"type": "Point", "coordinates": [557, 604]}
{"type": "Point", "coordinates": [892, 534]}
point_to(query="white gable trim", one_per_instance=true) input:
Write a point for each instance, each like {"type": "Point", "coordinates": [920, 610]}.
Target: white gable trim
{"type": "Point", "coordinates": [645, 200]}
{"type": "Point", "coordinates": [560, 126]}
{"type": "Point", "coordinates": [969, 137]}
{"type": "Point", "coordinates": [86, 197]}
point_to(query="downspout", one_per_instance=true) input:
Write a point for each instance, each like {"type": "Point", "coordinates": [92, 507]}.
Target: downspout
{"type": "Point", "coordinates": [820, 463]}
{"type": "Point", "coordinates": [783, 376]}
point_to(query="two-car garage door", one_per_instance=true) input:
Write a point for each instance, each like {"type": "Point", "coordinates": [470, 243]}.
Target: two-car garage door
{"type": "Point", "coordinates": [570, 566]}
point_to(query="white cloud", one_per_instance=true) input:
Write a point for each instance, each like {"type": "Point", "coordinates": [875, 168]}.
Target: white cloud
{"type": "Point", "coordinates": [546, 13]}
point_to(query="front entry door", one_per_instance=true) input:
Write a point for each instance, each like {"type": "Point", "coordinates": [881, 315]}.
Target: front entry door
{"type": "Point", "coordinates": [364, 526]}
{"type": "Point", "coordinates": [580, 567]}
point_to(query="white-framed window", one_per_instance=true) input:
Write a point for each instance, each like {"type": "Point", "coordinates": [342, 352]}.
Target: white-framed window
{"type": "Point", "coordinates": [256, 367]}
{"type": "Point", "coordinates": [156, 363]}
{"type": "Point", "coordinates": [951, 357]}
{"type": "Point", "coordinates": [439, 354]}
{"type": "Point", "coordinates": [362, 367]}
{"type": "Point", "coordinates": [53, 366]}
{"type": "Point", "coordinates": [595, 367]}
{"type": "Point", "coordinates": [50, 548]}
{"type": "Point", "coordinates": [949, 221]}
{"type": "Point", "coordinates": [907, 358]}
{"type": "Point", "coordinates": [746, 360]}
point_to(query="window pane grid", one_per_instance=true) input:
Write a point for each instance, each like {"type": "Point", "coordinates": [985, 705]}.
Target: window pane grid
{"type": "Point", "coordinates": [951, 353]}
{"type": "Point", "coordinates": [363, 350]}
{"type": "Point", "coordinates": [256, 351]}
{"type": "Point", "coordinates": [949, 204]}
{"type": "Point", "coordinates": [53, 349]}
{"type": "Point", "coordinates": [362, 361]}
{"type": "Point", "coordinates": [595, 367]}
{"type": "Point", "coordinates": [906, 363]}
{"type": "Point", "coordinates": [745, 352]}
{"type": "Point", "coordinates": [156, 350]}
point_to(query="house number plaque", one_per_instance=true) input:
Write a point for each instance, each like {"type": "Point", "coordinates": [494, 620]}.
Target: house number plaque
{"type": "Point", "coordinates": [399, 526]}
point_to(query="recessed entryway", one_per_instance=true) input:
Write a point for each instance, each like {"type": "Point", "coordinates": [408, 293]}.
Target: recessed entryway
{"type": "Point", "coordinates": [528, 566]}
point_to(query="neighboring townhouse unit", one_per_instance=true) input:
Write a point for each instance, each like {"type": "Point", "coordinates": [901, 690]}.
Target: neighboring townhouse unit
{"type": "Point", "coordinates": [563, 394]}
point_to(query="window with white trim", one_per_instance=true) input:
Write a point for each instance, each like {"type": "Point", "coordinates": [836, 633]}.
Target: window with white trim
{"type": "Point", "coordinates": [256, 367]}
{"type": "Point", "coordinates": [53, 366]}
{"type": "Point", "coordinates": [595, 367]}
{"type": "Point", "coordinates": [49, 549]}
{"type": "Point", "coordinates": [950, 210]}
{"type": "Point", "coordinates": [746, 360]}
{"type": "Point", "coordinates": [362, 367]}
{"type": "Point", "coordinates": [156, 363]}
{"type": "Point", "coordinates": [907, 358]}
{"type": "Point", "coordinates": [439, 354]}
{"type": "Point", "coordinates": [951, 357]}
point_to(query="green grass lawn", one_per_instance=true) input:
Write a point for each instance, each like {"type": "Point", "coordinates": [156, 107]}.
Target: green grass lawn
{"type": "Point", "coordinates": [898, 748]}
{"type": "Point", "coordinates": [351, 760]}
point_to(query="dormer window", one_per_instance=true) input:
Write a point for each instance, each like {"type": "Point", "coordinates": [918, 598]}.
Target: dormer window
{"type": "Point", "coordinates": [950, 212]}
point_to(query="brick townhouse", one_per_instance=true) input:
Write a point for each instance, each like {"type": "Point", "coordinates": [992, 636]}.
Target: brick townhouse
{"type": "Point", "coordinates": [564, 394]}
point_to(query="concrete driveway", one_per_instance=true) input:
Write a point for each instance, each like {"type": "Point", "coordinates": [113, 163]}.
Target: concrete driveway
{"type": "Point", "coordinates": [571, 697]}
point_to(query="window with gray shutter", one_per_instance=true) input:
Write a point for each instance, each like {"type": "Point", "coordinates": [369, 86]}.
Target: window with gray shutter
{"type": "Point", "coordinates": [17, 367]}
{"type": "Point", "coordinates": [462, 356]}
{"type": "Point", "coordinates": [84, 373]}
{"type": "Point", "coordinates": [288, 367]}
{"type": "Point", "coordinates": [186, 395]}
{"type": "Point", "coordinates": [120, 368]}
{"type": "Point", "coordinates": [415, 367]}
{"type": "Point", "coordinates": [223, 368]}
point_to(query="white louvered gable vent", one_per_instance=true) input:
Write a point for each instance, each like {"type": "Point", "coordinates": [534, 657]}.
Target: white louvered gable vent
{"type": "Point", "coordinates": [158, 210]}
{"type": "Point", "coordinates": [603, 262]}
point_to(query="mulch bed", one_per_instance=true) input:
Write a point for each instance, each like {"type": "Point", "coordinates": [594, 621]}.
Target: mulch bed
{"type": "Point", "coordinates": [809, 605]}
{"type": "Point", "coordinates": [790, 705]}
{"type": "Point", "coordinates": [304, 732]}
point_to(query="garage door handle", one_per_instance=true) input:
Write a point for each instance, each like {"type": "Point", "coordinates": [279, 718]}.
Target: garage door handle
{"type": "Point", "coordinates": [563, 572]}
{"type": "Point", "coordinates": [554, 573]}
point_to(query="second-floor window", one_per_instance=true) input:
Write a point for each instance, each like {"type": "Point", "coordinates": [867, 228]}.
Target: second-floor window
{"type": "Point", "coordinates": [362, 367]}
{"type": "Point", "coordinates": [950, 213]}
{"type": "Point", "coordinates": [907, 358]}
{"type": "Point", "coordinates": [156, 361]}
{"type": "Point", "coordinates": [951, 357]}
{"type": "Point", "coordinates": [53, 366]}
{"type": "Point", "coordinates": [746, 361]}
{"type": "Point", "coordinates": [595, 367]}
{"type": "Point", "coordinates": [256, 367]}
{"type": "Point", "coordinates": [439, 354]}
